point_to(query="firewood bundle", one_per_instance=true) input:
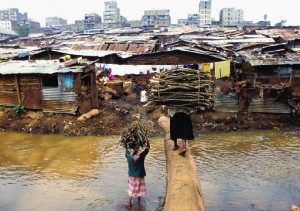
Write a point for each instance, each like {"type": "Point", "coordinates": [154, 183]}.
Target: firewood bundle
{"type": "Point", "coordinates": [134, 135]}
{"type": "Point", "coordinates": [181, 88]}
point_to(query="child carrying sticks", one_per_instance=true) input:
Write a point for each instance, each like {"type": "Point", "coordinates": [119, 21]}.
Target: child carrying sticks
{"type": "Point", "coordinates": [134, 139]}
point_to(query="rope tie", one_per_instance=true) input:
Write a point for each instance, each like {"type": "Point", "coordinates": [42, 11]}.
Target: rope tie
{"type": "Point", "coordinates": [199, 82]}
{"type": "Point", "coordinates": [158, 91]}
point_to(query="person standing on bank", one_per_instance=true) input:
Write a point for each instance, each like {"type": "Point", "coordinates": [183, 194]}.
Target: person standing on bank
{"type": "Point", "coordinates": [136, 173]}
{"type": "Point", "coordinates": [181, 126]}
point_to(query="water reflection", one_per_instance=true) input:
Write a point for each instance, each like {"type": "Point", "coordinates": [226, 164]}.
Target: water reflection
{"type": "Point", "coordinates": [254, 170]}
{"type": "Point", "coordinates": [41, 172]}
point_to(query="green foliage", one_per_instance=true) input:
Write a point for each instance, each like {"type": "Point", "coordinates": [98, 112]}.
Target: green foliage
{"type": "Point", "coordinates": [2, 108]}
{"type": "Point", "coordinates": [19, 109]}
{"type": "Point", "coordinates": [23, 31]}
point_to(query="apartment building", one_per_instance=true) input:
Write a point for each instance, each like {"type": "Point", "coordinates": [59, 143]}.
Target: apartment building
{"type": "Point", "coordinates": [32, 25]}
{"type": "Point", "coordinates": [156, 18]}
{"type": "Point", "coordinates": [193, 19]}
{"type": "Point", "coordinates": [9, 25]}
{"type": "Point", "coordinates": [111, 14]}
{"type": "Point", "coordinates": [231, 17]}
{"type": "Point", "coordinates": [182, 22]}
{"type": "Point", "coordinates": [12, 14]}
{"type": "Point", "coordinates": [55, 22]}
{"type": "Point", "coordinates": [91, 20]}
{"type": "Point", "coordinates": [205, 12]}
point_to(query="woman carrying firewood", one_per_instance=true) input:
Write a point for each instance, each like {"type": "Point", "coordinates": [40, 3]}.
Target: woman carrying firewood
{"type": "Point", "coordinates": [136, 173]}
{"type": "Point", "coordinates": [180, 127]}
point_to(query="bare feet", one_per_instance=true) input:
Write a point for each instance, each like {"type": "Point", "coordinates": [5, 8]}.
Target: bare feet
{"type": "Point", "coordinates": [175, 147]}
{"type": "Point", "coordinates": [129, 205]}
{"type": "Point", "coordinates": [182, 153]}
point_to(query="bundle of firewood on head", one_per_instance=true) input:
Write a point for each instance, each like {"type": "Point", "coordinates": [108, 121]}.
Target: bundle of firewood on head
{"type": "Point", "coordinates": [181, 88]}
{"type": "Point", "coordinates": [135, 136]}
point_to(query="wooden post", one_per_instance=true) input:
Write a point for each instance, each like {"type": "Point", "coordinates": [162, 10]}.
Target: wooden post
{"type": "Point", "coordinates": [18, 90]}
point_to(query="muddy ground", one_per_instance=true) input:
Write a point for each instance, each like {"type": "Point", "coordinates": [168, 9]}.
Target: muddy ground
{"type": "Point", "coordinates": [116, 114]}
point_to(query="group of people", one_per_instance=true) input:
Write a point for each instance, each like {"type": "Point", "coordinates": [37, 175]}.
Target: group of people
{"type": "Point", "coordinates": [181, 127]}
{"type": "Point", "coordinates": [105, 75]}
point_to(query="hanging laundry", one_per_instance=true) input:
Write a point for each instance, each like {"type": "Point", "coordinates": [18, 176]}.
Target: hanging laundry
{"type": "Point", "coordinates": [222, 69]}
{"type": "Point", "coordinates": [206, 67]}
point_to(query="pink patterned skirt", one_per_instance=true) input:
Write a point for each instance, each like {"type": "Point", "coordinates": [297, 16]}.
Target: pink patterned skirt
{"type": "Point", "coordinates": [136, 187]}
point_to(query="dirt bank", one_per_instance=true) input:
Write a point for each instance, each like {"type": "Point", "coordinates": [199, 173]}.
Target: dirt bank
{"type": "Point", "coordinates": [115, 114]}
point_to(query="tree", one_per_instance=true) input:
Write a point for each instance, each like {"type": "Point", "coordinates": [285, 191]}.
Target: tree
{"type": "Point", "coordinates": [280, 24]}
{"type": "Point", "coordinates": [23, 31]}
{"type": "Point", "coordinates": [265, 17]}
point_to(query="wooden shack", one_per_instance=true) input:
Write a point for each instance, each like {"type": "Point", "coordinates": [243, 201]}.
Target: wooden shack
{"type": "Point", "coordinates": [49, 86]}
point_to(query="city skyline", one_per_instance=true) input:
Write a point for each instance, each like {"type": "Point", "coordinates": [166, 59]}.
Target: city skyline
{"type": "Point", "coordinates": [254, 10]}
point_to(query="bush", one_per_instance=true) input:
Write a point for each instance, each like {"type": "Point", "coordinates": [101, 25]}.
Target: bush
{"type": "Point", "coordinates": [19, 109]}
{"type": "Point", "coordinates": [2, 108]}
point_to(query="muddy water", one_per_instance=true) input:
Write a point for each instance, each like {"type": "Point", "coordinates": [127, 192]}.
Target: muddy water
{"type": "Point", "coordinates": [257, 170]}
{"type": "Point", "coordinates": [70, 173]}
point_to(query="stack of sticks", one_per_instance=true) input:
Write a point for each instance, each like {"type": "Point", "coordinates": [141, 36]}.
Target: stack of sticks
{"type": "Point", "coordinates": [135, 135]}
{"type": "Point", "coordinates": [182, 88]}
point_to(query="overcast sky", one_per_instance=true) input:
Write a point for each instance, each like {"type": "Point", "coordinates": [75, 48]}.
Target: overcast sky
{"type": "Point", "coordinates": [254, 10]}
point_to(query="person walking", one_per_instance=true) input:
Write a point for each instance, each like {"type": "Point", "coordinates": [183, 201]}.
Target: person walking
{"type": "Point", "coordinates": [136, 173]}
{"type": "Point", "coordinates": [181, 126]}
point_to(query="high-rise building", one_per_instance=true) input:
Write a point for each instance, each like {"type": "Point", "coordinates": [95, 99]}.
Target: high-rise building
{"type": "Point", "coordinates": [205, 12]}
{"type": "Point", "coordinates": [12, 14]}
{"type": "Point", "coordinates": [156, 18]}
{"type": "Point", "coordinates": [231, 17]}
{"type": "Point", "coordinates": [111, 14]}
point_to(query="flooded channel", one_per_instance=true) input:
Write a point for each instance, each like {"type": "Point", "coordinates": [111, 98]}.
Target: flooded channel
{"type": "Point", "coordinates": [45, 172]}
{"type": "Point", "coordinates": [255, 170]}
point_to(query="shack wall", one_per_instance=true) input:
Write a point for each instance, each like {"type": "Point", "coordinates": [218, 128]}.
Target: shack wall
{"type": "Point", "coordinates": [28, 90]}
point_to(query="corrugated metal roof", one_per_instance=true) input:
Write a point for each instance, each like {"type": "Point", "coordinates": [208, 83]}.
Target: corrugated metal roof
{"type": "Point", "coordinates": [12, 52]}
{"type": "Point", "coordinates": [124, 31]}
{"type": "Point", "coordinates": [200, 37]}
{"type": "Point", "coordinates": [289, 37]}
{"type": "Point", "coordinates": [208, 53]}
{"type": "Point", "coordinates": [249, 40]}
{"type": "Point", "coordinates": [39, 67]}
{"type": "Point", "coordinates": [6, 31]}
{"type": "Point", "coordinates": [270, 55]}
{"type": "Point", "coordinates": [275, 31]}
{"type": "Point", "coordinates": [131, 38]}
{"type": "Point", "coordinates": [95, 53]}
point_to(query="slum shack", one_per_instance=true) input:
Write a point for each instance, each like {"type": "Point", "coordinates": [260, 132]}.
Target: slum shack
{"type": "Point", "coordinates": [268, 79]}
{"type": "Point", "coordinates": [49, 85]}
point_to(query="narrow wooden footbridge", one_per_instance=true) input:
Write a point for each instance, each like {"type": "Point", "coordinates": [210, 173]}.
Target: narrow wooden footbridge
{"type": "Point", "coordinates": [183, 189]}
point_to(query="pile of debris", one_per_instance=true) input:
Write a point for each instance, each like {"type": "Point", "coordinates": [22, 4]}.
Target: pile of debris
{"type": "Point", "coordinates": [182, 88]}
